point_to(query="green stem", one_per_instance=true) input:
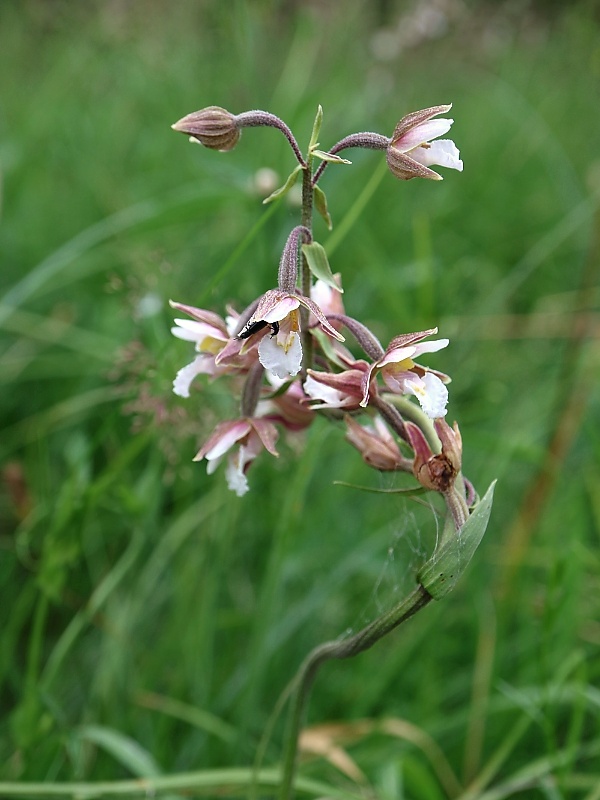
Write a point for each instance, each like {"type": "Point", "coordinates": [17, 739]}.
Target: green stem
{"type": "Point", "coordinates": [307, 210]}
{"type": "Point", "coordinates": [347, 648]}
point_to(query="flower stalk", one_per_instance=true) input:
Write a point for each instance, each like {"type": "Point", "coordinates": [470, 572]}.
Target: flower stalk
{"type": "Point", "coordinates": [305, 677]}
{"type": "Point", "coordinates": [286, 358]}
{"type": "Point", "coordinates": [435, 579]}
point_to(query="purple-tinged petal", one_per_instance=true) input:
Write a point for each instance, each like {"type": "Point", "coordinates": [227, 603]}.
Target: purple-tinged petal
{"type": "Point", "coordinates": [312, 306]}
{"type": "Point", "coordinates": [200, 314]}
{"type": "Point", "coordinates": [396, 355]}
{"type": "Point", "coordinates": [405, 168]}
{"type": "Point", "coordinates": [366, 384]}
{"type": "Point", "coordinates": [334, 390]}
{"type": "Point", "coordinates": [273, 306]}
{"type": "Point", "coordinates": [194, 331]}
{"type": "Point", "coordinates": [418, 442]}
{"type": "Point", "coordinates": [267, 433]}
{"type": "Point", "coordinates": [376, 445]}
{"type": "Point", "coordinates": [280, 311]}
{"type": "Point", "coordinates": [225, 436]}
{"type": "Point", "coordinates": [412, 120]}
{"type": "Point", "coordinates": [409, 338]}
{"type": "Point", "coordinates": [420, 134]}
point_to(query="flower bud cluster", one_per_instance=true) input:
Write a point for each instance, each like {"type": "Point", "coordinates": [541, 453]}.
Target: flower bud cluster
{"type": "Point", "coordinates": [286, 356]}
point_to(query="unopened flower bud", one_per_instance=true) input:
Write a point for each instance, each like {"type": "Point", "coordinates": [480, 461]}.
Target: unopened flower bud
{"type": "Point", "coordinates": [436, 471]}
{"type": "Point", "coordinates": [214, 127]}
{"type": "Point", "coordinates": [376, 444]}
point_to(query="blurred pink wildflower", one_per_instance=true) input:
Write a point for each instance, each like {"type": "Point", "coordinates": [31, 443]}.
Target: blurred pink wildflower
{"type": "Point", "coordinates": [251, 435]}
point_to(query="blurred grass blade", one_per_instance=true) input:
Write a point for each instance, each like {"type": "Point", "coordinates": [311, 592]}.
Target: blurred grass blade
{"type": "Point", "coordinates": [198, 717]}
{"type": "Point", "coordinates": [122, 748]}
{"type": "Point", "coordinates": [207, 783]}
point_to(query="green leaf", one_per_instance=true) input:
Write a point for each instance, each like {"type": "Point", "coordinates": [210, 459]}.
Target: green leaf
{"type": "Point", "coordinates": [325, 343]}
{"type": "Point", "coordinates": [329, 157]}
{"type": "Point", "coordinates": [122, 748]}
{"type": "Point", "coordinates": [321, 205]}
{"type": "Point", "coordinates": [319, 265]}
{"type": "Point", "coordinates": [441, 573]}
{"type": "Point", "coordinates": [283, 190]}
{"type": "Point", "coordinates": [407, 492]}
{"type": "Point", "coordinates": [316, 128]}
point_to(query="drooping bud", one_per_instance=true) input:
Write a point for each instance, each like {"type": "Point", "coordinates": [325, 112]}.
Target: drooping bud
{"type": "Point", "coordinates": [214, 127]}
{"type": "Point", "coordinates": [376, 445]}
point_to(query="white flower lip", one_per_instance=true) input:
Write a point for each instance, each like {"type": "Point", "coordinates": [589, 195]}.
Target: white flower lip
{"type": "Point", "coordinates": [430, 392]}
{"type": "Point", "coordinates": [281, 361]}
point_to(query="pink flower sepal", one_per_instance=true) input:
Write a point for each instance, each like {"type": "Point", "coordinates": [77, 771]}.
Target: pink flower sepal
{"type": "Point", "coordinates": [403, 376]}
{"type": "Point", "coordinates": [336, 389]}
{"type": "Point", "coordinates": [204, 325]}
{"type": "Point", "coordinates": [209, 332]}
{"type": "Point", "coordinates": [252, 435]}
{"type": "Point", "coordinates": [412, 151]}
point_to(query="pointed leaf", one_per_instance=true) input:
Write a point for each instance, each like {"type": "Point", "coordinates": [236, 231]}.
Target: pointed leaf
{"type": "Point", "coordinates": [329, 157]}
{"type": "Point", "coordinates": [441, 573]}
{"type": "Point", "coordinates": [319, 265]}
{"type": "Point", "coordinates": [407, 492]}
{"type": "Point", "coordinates": [327, 347]}
{"type": "Point", "coordinates": [316, 128]}
{"type": "Point", "coordinates": [283, 190]}
{"type": "Point", "coordinates": [321, 206]}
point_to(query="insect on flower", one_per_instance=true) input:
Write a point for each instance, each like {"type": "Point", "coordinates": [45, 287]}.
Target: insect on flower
{"type": "Point", "coordinates": [254, 327]}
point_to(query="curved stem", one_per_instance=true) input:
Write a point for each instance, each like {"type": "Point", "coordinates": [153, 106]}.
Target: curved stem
{"type": "Point", "coordinates": [253, 119]}
{"type": "Point", "coordinates": [366, 140]}
{"type": "Point", "coordinates": [346, 648]}
{"type": "Point", "coordinates": [391, 415]}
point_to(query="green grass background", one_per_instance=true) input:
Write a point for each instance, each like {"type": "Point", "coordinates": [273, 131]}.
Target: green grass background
{"type": "Point", "coordinates": [149, 620]}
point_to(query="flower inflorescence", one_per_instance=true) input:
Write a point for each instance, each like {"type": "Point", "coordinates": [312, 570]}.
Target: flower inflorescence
{"type": "Point", "coordinates": [287, 353]}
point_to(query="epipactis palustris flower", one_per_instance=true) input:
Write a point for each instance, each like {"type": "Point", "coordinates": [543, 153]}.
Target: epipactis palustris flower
{"type": "Point", "coordinates": [412, 150]}
{"type": "Point", "coordinates": [252, 435]}
{"type": "Point", "coordinates": [209, 332]}
{"type": "Point", "coordinates": [280, 351]}
{"type": "Point", "coordinates": [403, 376]}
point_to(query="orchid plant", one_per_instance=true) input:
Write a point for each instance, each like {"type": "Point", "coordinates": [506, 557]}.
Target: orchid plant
{"type": "Point", "coordinates": [287, 356]}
